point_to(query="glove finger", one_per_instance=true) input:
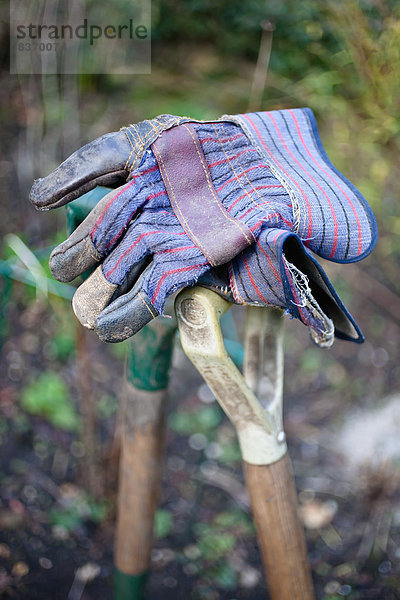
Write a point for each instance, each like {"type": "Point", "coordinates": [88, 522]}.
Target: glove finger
{"type": "Point", "coordinates": [98, 234]}
{"type": "Point", "coordinates": [101, 162]}
{"type": "Point", "coordinates": [96, 292]}
{"type": "Point", "coordinates": [118, 272]}
{"type": "Point", "coordinates": [108, 160]}
{"type": "Point", "coordinates": [156, 230]}
{"type": "Point", "coordinates": [126, 315]}
{"type": "Point", "coordinates": [78, 253]}
{"type": "Point", "coordinates": [133, 248]}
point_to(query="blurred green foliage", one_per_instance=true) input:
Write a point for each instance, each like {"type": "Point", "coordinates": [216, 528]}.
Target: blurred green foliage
{"type": "Point", "coordinates": [48, 397]}
{"type": "Point", "coordinates": [203, 420]}
{"type": "Point", "coordinates": [74, 513]}
{"type": "Point", "coordinates": [231, 453]}
{"type": "Point", "coordinates": [318, 29]}
{"type": "Point", "coordinates": [68, 518]}
{"type": "Point", "coordinates": [63, 345]}
{"type": "Point", "coordinates": [216, 542]}
{"type": "Point", "coordinates": [163, 523]}
{"type": "Point", "coordinates": [228, 25]}
{"type": "Point", "coordinates": [234, 27]}
{"type": "Point", "coordinates": [106, 406]}
{"type": "Point", "coordinates": [213, 544]}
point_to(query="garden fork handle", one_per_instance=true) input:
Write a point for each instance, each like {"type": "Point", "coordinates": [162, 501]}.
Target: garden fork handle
{"type": "Point", "coordinates": [258, 422]}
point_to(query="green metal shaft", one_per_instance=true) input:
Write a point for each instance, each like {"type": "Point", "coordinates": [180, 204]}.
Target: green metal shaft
{"type": "Point", "coordinates": [150, 353]}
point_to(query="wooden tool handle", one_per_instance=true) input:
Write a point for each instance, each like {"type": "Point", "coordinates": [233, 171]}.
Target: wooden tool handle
{"type": "Point", "coordinates": [140, 478]}
{"type": "Point", "coordinates": [281, 537]}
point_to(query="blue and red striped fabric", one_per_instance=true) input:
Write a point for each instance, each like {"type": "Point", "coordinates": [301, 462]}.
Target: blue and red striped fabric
{"type": "Point", "coordinates": [329, 214]}
{"type": "Point", "coordinates": [269, 169]}
{"type": "Point", "coordinates": [138, 220]}
{"type": "Point", "coordinates": [264, 275]}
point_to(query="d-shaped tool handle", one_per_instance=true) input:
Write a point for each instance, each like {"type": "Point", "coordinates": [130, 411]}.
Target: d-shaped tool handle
{"type": "Point", "coordinates": [258, 425]}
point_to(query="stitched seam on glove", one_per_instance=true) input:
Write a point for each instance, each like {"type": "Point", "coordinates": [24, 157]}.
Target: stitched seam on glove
{"type": "Point", "coordinates": [199, 208]}
{"type": "Point", "coordinates": [158, 125]}
{"type": "Point", "coordinates": [238, 179]}
{"type": "Point", "coordinates": [224, 213]}
{"type": "Point", "coordinates": [233, 284]}
{"type": "Point", "coordinates": [238, 120]}
{"type": "Point", "coordinates": [264, 202]}
{"type": "Point", "coordinates": [229, 187]}
{"type": "Point", "coordinates": [165, 176]}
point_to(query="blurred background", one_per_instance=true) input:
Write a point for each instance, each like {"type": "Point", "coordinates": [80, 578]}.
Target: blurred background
{"type": "Point", "coordinates": [342, 406]}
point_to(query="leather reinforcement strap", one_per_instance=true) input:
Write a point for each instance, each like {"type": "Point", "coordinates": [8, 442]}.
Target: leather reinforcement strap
{"type": "Point", "coordinates": [194, 199]}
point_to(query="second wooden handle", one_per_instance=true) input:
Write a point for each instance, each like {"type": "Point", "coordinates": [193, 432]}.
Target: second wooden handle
{"type": "Point", "coordinates": [280, 534]}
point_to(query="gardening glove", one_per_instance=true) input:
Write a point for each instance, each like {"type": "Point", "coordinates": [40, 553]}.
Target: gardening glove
{"type": "Point", "coordinates": [196, 195]}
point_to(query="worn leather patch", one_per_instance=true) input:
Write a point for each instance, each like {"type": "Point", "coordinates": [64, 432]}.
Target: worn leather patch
{"type": "Point", "coordinates": [92, 297]}
{"type": "Point", "coordinates": [193, 197]}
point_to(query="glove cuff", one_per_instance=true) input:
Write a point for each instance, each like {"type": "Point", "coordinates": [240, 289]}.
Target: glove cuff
{"type": "Point", "coordinates": [281, 272]}
{"type": "Point", "coordinates": [330, 215]}
{"type": "Point", "coordinates": [305, 284]}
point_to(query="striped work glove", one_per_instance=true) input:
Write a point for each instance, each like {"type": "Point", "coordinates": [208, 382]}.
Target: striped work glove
{"type": "Point", "coordinates": [194, 196]}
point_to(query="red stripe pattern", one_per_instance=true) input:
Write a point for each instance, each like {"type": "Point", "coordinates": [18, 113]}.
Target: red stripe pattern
{"type": "Point", "coordinates": [329, 214]}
